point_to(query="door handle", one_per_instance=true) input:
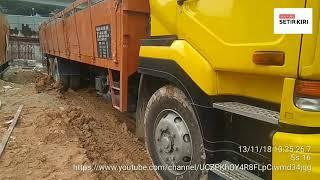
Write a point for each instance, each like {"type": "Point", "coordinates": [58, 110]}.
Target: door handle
{"type": "Point", "coordinates": [269, 58]}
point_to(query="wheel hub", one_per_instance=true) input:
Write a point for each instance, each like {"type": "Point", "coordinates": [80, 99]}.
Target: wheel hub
{"type": "Point", "coordinates": [173, 141]}
{"type": "Point", "coordinates": [166, 143]}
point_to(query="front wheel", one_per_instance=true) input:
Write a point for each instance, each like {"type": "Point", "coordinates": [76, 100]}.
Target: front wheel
{"type": "Point", "coordinates": [173, 136]}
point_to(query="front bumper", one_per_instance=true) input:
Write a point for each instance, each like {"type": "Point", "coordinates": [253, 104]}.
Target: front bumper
{"type": "Point", "coordinates": [296, 156]}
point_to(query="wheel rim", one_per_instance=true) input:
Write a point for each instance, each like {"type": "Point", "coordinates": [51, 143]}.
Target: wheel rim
{"type": "Point", "coordinates": [173, 141]}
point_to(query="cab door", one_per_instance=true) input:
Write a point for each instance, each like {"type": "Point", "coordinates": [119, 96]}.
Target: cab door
{"type": "Point", "coordinates": [229, 33]}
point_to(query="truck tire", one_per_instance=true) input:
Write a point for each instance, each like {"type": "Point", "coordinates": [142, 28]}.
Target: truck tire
{"type": "Point", "coordinates": [58, 77]}
{"type": "Point", "coordinates": [74, 82]}
{"type": "Point", "coordinates": [172, 134]}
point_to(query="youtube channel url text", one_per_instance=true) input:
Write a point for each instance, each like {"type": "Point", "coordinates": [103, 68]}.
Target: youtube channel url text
{"type": "Point", "coordinates": [197, 167]}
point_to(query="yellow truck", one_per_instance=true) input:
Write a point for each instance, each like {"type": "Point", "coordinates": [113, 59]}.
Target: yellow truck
{"type": "Point", "coordinates": [217, 94]}
{"type": "Point", "coordinates": [245, 95]}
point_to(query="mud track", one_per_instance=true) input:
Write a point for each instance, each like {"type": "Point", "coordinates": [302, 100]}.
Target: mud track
{"type": "Point", "coordinates": [57, 131]}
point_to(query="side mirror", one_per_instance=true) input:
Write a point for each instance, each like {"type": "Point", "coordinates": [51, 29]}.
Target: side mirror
{"type": "Point", "coordinates": [180, 2]}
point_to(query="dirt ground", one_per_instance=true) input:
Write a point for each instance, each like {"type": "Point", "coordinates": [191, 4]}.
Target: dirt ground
{"type": "Point", "coordinates": [58, 131]}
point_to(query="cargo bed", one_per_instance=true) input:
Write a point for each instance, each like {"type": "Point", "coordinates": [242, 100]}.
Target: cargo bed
{"type": "Point", "coordinates": [100, 33]}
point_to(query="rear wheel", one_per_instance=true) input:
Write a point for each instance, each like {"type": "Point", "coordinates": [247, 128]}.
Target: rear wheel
{"type": "Point", "coordinates": [58, 77]}
{"type": "Point", "coordinates": [74, 82]}
{"type": "Point", "coordinates": [172, 134]}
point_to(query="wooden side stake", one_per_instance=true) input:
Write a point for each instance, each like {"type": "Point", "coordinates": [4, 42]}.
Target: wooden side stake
{"type": "Point", "coordinates": [10, 129]}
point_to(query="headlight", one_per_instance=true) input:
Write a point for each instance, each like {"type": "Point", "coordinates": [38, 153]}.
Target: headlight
{"type": "Point", "coordinates": [308, 104]}
{"type": "Point", "coordinates": [307, 95]}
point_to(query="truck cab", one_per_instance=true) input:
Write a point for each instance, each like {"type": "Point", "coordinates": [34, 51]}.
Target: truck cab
{"type": "Point", "coordinates": [216, 92]}
{"type": "Point", "coordinates": [246, 97]}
